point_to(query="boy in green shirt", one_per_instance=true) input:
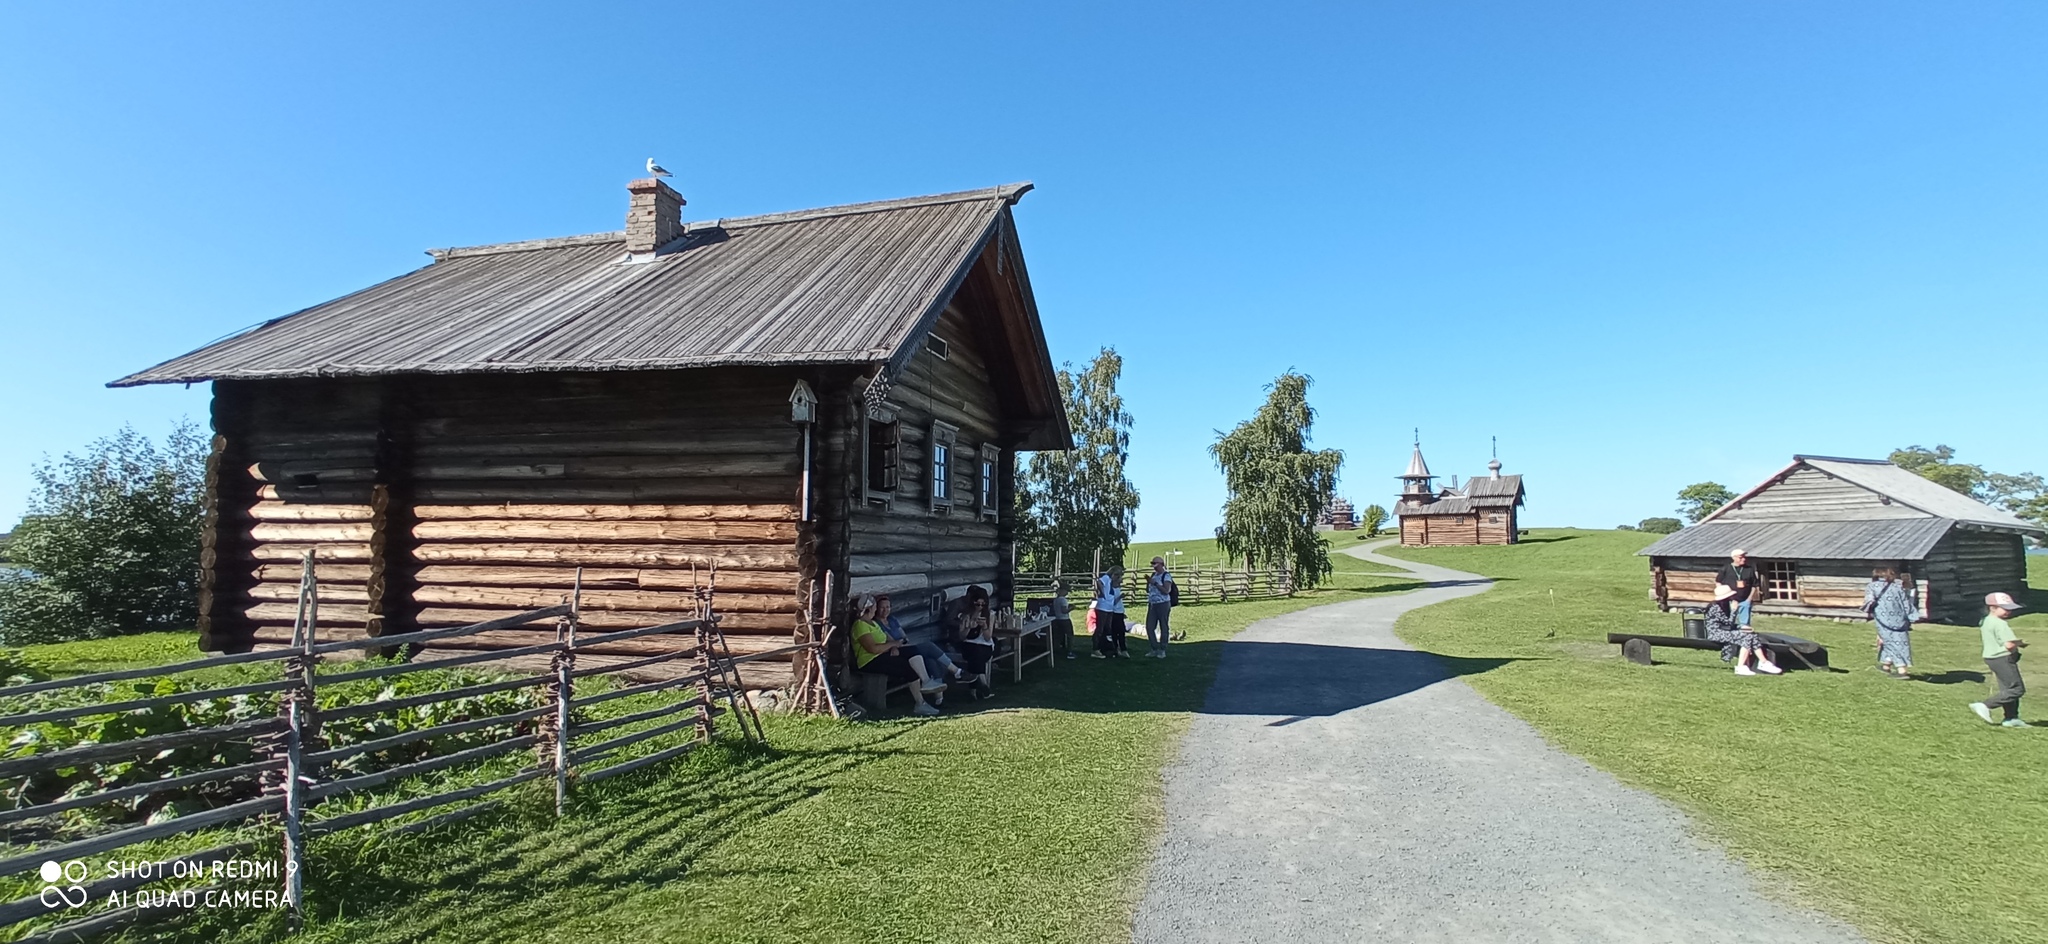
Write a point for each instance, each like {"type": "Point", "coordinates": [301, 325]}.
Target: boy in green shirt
{"type": "Point", "coordinates": [2002, 655]}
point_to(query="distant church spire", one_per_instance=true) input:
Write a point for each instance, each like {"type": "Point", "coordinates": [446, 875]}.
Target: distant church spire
{"type": "Point", "coordinates": [1415, 483]}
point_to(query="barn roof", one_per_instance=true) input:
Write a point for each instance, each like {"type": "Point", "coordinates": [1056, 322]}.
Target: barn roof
{"type": "Point", "coordinates": [1901, 486]}
{"type": "Point", "coordinates": [850, 284]}
{"type": "Point", "coordinates": [1893, 539]}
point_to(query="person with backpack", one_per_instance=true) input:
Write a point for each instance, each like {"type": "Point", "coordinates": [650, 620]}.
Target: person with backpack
{"type": "Point", "coordinates": [1161, 595]}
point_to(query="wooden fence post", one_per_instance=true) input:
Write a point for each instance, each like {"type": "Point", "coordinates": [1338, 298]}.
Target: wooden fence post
{"type": "Point", "coordinates": [565, 665]}
{"type": "Point", "coordinates": [296, 703]}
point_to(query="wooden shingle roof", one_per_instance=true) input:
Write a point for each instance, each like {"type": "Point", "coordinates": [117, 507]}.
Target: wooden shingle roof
{"type": "Point", "coordinates": [838, 285]}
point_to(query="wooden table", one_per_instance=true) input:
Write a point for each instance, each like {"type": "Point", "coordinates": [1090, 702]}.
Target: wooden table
{"type": "Point", "coordinates": [1040, 628]}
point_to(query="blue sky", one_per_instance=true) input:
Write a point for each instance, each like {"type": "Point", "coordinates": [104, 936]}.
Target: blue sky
{"type": "Point", "coordinates": [1642, 244]}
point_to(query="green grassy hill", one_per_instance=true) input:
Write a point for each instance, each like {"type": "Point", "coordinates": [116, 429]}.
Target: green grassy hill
{"type": "Point", "coordinates": [1883, 802]}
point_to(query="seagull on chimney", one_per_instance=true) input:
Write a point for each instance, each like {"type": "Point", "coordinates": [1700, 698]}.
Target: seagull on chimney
{"type": "Point", "coordinates": [656, 169]}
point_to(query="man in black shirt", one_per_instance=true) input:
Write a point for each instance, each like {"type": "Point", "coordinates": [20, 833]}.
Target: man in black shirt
{"type": "Point", "coordinates": [1744, 580]}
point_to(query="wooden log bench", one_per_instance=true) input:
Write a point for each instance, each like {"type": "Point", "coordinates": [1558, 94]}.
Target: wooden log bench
{"type": "Point", "coordinates": [1789, 652]}
{"type": "Point", "coordinates": [873, 689]}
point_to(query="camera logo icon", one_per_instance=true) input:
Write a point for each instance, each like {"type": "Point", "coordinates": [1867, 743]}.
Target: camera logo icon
{"type": "Point", "coordinates": [57, 875]}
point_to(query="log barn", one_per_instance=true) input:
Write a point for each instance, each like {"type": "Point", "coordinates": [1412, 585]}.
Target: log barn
{"type": "Point", "coordinates": [837, 390]}
{"type": "Point", "coordinates": [1484, 511]}
{"type": "Point", "coordinates": [1817, 529]}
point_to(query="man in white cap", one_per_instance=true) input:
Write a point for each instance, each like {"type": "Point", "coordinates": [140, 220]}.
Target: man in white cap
{"type": "Point", "coordinates": [2002, 655]}
{"type": "Point", "coordinates": [1744, 580]}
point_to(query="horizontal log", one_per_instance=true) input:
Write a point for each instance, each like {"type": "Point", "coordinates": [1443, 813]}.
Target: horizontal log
{"type": "Point", "coordinates": [326, 573]}
{"type": "Point", "coordinates": [324, 551]}
{"type": "Point", "coordinates": [335, 494]}
{"type": "Point", "coordinates": [609, 620]}
{"type": "Point", "coordinates": [307, 532]}
{"type": "Point", "coordinates": [779, 438]}
{"type": "Point", "coordinates": [875, 565]}
{"type": "Point", "coordinates": [332, 615]}
{"type": "Point", "coordinates": [602, 600]}
{"type": "Point", "coordinates": [738, 488]}
{"type": "Point", "coordinates": [723, 556]}
{"type": "Point", "coordinates": [327, 593]}
{"type": "Point", "coordinates": [736, 643]}
{"type": "Point", "coordinates": [866, 542]}
{"type": "Point", "coordinates": [890, 583]}
{"type": "Point", "coordinates": [681, 532]}
{"type": "Point", "coordinates": [601, 512]}
{"type": "Point", "coordinates": [602, 467]}
{"type": "Point", "coordinates": [607, 578]}
{"type": "Point", "coordinates": [290, 511]}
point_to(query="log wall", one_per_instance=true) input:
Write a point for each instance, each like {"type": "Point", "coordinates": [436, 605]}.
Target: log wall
{"type": "Point", "coordinates": [902, 546]}
{"type": "Point", "coordinates": [1953, 579]}
{"type": "Point", "coordinates": [447, 500]}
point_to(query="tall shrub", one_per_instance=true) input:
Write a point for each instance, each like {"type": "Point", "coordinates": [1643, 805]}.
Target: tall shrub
{"type": "Point", "coordinates": [1278, 486]}
{"type": "Point", "coordinates": [1079, 501]}
{"type": "Point", "coordinates": [110, 544]}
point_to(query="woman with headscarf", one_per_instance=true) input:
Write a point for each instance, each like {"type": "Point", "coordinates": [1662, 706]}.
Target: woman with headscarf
{"type": "Point", "coordinates": [1890, 605]}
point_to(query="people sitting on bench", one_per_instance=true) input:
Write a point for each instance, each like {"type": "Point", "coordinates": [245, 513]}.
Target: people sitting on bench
{"type": "Point", "coordinates": [874, 651]}
{"type": "Point", "coordinates": [977, 640]}
{"type": "Point", "coordinates": [933, 655]}
{"type": "Point", "coordinates": [1738, 643]}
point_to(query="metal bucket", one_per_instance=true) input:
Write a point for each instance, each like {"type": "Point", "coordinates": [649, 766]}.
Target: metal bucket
{"type": "Point", "coordinates": [1695, 623]}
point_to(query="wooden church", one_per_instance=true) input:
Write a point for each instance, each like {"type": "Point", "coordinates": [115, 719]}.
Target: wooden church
{"type": "Point", "coordinates": [1484, 511]}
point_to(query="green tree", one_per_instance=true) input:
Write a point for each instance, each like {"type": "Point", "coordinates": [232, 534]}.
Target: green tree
{"type": "Point", "coordinates": [110, 544]}
{"type": "Point", "coordinates": [1373, 518]}
{"type": "Point", "coordinates": [1700, 499]}
{"type": "Point", "coordinates": [1080, 500]}
{"type": "Point", "coordinates": [2025, 495]}
{"type": "Point", "coordinates": [1660, 525]}
{"type": "Point", "coordinates": [1938, 465]}
{"type": "Point", "coordinates": [1277, 486]}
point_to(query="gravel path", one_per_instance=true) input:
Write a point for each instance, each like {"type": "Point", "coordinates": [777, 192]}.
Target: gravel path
{"type": "Point", "coordinates": [1339, 786]}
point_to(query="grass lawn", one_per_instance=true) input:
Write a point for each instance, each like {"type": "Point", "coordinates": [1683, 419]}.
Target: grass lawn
{"type": "Point", "coordinates": [1028, 818]}
{"type": "Point", "coordinates": [1885, 803]}
{"type": "Point", "coordinates": [1204, 550]}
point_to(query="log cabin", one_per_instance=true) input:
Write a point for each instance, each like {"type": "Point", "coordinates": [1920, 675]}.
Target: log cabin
{"type": "Point", "coordinates": [1817, 529]}
{"type": "Point", "coordinates": [840, 390]}
{"type": "Point", "coordinates": [1484, 511]}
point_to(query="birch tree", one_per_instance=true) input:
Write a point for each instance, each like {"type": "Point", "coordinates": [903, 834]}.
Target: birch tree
{"type": "Point", "coordinates": [1079, 501]}
{"type": "Point", "coordinates": [1277, 486]}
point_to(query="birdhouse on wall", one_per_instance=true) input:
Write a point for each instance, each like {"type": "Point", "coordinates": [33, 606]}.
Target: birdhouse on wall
{"type": "Point", "coordinates": [803, 404]}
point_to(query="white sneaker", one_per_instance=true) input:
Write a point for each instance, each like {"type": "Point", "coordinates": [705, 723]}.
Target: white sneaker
{"type": "Point", "coordinates": [924, 709]}
{"type": "Point", "coordinates": [1744, 670]}
{"type": "Point", "coordinates": [1769, 668]}
{"type": "Point", "coordinates": [1983, 711]}
{"type": "Point", "coordinates": [2014, 723]}
{"type": "Point", "coordinates": [935, 685]}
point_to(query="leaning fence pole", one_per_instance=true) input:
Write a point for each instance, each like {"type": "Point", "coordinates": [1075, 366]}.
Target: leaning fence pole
{"type": "Point", "coordinates": [565, 664]}
{"type": "Point", "coordinates": [303, 628]}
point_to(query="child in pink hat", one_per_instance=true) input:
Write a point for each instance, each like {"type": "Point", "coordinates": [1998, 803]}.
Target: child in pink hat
{"type": "Point", "coordinates": [2002, 656]}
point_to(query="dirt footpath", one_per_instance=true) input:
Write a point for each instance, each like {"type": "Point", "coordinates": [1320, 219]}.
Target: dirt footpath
{"type": "Point", "coordinates": [1339, 786]}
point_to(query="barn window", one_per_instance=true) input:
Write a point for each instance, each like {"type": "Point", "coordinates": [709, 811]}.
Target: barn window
{"type": "Point", "coordinates": [1493, 519]}
{"type": "Point", "coordinates": [942, 440]}
{"type": "Point", "coordinates": [937, 346]}
{"type": "Point", "coordinates": [987, 492]}
{"type": "Point", "coordinates": [1781, 580]}
{"type": "Point", "coordinates": [885, 450]}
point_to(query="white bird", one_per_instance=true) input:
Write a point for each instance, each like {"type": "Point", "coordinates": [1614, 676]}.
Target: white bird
{"type": "Point", "coordinates": [656, 169]}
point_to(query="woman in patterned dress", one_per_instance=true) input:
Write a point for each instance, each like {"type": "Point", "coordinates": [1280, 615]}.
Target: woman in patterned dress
{"type": "Point", "coordinates": [1737, 644]}
{"type": "Point", "coordinates": [1891, 606]}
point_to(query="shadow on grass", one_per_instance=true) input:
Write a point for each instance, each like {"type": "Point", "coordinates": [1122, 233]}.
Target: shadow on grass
{"type": "Point", "coordinates": [1549, 540]}
{"type": "Point", "coordinates": [643, 829]}
{"type": "Point", "coordinates": [1951, 677]}
{"type": "Point", "coordinates": [1293, 680]}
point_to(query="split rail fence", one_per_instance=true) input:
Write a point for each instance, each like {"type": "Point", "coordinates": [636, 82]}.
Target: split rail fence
{"type": "Point", "coordinates": [297, 770]}
{"type": "Point", "coordinates": [1198, 584]}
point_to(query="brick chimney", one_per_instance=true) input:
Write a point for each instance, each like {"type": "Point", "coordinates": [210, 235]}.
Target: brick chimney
{"type": "Point", "coordinates": [654, 215]}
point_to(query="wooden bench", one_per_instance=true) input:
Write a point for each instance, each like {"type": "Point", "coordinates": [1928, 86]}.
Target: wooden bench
{"type": "Point", "coordinates": [1802, 652]}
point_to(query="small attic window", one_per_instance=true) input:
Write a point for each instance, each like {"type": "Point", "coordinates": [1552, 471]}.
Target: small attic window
{"type": "Point", "coordinates": [936, 345]}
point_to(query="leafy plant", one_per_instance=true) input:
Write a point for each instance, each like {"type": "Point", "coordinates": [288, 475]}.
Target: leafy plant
{"type": "Point", "coordinates": [110, 544]}
{"type": "Point", "coordinates": [1660, 525]}
{"type": "Point", "coordinates": [1278, 486]}
{"type": "Point", "coordinates": [1700, 499]}
{"type": "Point", "coordinates": [1079, 501]}
{"type": "Point", "coordinates": [1372, 519]}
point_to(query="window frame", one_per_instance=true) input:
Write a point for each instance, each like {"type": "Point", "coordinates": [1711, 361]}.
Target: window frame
{"type": "Point", "coordinates": [985, 496]}
{"type": "Point", "coordinates": [940, 445]}
{"type": "Point", "coordinates": [891, 464]}
{"type": "Point", "coordinates": [1780, 579]}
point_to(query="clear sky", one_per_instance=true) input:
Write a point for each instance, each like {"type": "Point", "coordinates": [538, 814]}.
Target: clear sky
{"type": "Point", "coordinates": [1644, 244]}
